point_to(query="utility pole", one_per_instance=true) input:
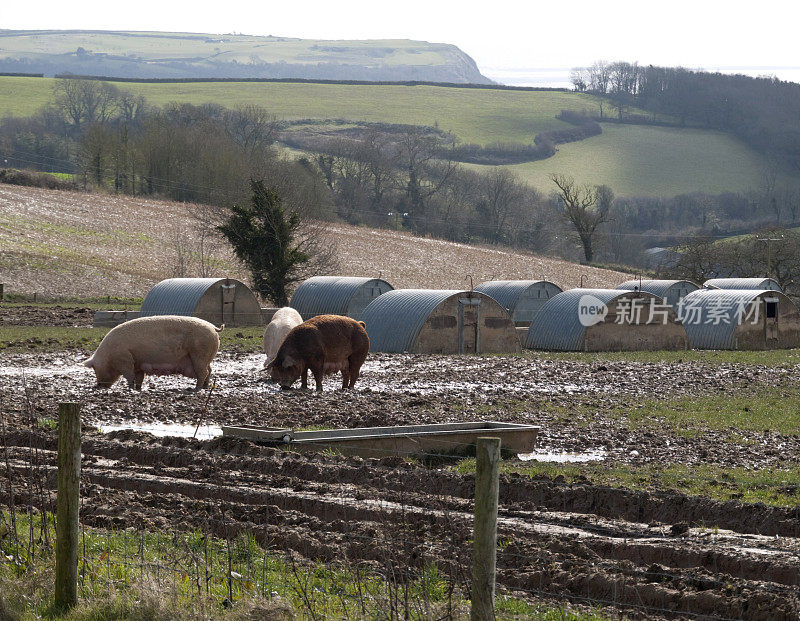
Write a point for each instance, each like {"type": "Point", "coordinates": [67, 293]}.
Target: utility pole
{"type": "Point", "coordinates": [768, 241]}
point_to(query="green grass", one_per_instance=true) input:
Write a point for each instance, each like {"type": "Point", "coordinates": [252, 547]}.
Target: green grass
{"type": "Point", "coordinates": [49, 339]}
{"type": "Point", "coordinates": [652, 161]}
{"type": "Point", "coordinates": [774, 408]}
{"type": "Point", "coordinates": [188, 575]}
{"type": "Point", "coordinates": [773, 486]}
{"type": "Point", "coordinates": [474, 115]}
{"type": "Point", "coordinates": [632, 159]}
{"type": "Point", "coordinates": [39, 339]}
{"type": "Point", "coordinates": [769, 358]}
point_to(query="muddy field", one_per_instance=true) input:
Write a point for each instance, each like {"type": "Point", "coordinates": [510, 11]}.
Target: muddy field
{"type": "Point", "coordinates": [647, 554]}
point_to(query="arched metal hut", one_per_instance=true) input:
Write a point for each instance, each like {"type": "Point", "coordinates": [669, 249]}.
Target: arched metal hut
{"type": "Point", "coordinates": [762, 284]}
{"type": "Point", "coordinates": [218, 300]}
{"type": "Point", "coordinates": [671, 291]}
{"type": "Point", "coordinates": [432, 321]}
{"type": "Point", "coordinates": [521, 298]}
{"type": "Point", "coordinates": [606, 320]}
{"type": "Point", "coordinates": [740, 319]}
{"type": "Point", "coordinates": [337, 295]}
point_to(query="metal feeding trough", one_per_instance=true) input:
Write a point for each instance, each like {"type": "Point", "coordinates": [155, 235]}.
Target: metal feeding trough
{"type": "Point", "coordinates": [443, 439]}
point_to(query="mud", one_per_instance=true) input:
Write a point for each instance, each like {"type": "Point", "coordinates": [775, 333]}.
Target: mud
{"type": "Point", "coordinates": [411, 389]}
{"type": "Point", "coordinates": [653, 555]}
{"type": "Point", "coordinates": [638, 552]}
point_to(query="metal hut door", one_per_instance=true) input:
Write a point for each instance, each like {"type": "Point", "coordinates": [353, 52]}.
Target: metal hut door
{"type": "Point", "coordinates": [771, 318]}
{"type": "Point", "coordinates": [228, 302]}
{"type": "Point", "coordinates": [469, 331]}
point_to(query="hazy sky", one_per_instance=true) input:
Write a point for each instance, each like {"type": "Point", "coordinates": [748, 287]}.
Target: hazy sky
{"type": "Point", "coordinates": [499, 34]}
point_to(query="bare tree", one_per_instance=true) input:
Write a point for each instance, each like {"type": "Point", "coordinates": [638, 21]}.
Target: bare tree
{"type": "Point", "coordinates": [83, 102]}
{"type": "Point", "coordinates": [698, 258]}
{"type": "Point", "coordinates": [251, 127]}
{"type": "Point", "coordinates": [421, 156]}
{"type": "Point", "coordinates": [586, 207]}
{"type": "Point", "coordinates": [500, 192]}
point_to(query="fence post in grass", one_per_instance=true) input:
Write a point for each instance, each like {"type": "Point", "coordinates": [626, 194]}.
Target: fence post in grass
{"type": "Point", "coordinates": [484, 553]}
{"type": "Point", "coordinates": [69, 477]}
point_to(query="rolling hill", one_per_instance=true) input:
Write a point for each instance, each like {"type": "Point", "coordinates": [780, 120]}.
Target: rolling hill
{"type": "Point", "coordinates": [185, 55]}
{"type": "Point", "coordinates": [632, 159]}
{"type": "Point", "coordinates": [59, 243]}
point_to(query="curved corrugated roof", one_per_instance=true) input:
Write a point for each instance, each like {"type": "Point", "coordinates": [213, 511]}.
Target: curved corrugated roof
{"type": "Point", "coordinates": [330, 295]}
{"type": "Point", "coordinates": [508, 292]}
{"type": "Point", "coordinates": [764, 284]}
{"type": "Point", "coordinates": [657, 287]}
{"type": "Point", "coordinates": [177, 296]}
{"type": "Point", "coordinates": [395, 319]}
{"type": "Point", "coordinates": [711, 316]}
{"type": "Point", "coordinates": [558, 327]}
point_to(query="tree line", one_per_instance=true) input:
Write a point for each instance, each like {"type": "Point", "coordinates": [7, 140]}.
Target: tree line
{"type": "Point", "coordinates": [773, 252]}
{"type": "Point", "coordinates": [764, 112]}
{"type": "Point", "coordinates": [403, 177]}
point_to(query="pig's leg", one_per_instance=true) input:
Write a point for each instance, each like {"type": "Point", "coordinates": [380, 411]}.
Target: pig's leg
{"type": "Point", "coordinates": [355, 368]}
{"type": "Point", "coordinates": [138, 379]}
{"type": "Point", "coordinates": [304, 377]}
{"type": "Point", "coordinates": [208, 378]}
{"type": "Point", "coordinates": [124, 365]}
{"type": "Point", "coordinates": [345, 378]}
{"type": "Point", "coordinates": [202, 371]}
{"type": "Point", "coordinates": [318, 372]}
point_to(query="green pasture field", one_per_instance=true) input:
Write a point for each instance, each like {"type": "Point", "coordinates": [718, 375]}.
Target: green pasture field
{"type": "Point", "coordinates": [652, 161]}
{"type": "Point", "coordinates": [227, 48]}
{"type": "Point", "coordinates": [474, 115]}
{"type": "Point", "coordinates": [631, 159]}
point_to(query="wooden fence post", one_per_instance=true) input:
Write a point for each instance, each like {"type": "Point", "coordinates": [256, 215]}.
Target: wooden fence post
{"type": "Point", "coordinates": [484, 553]}
{"type": "Point", "coordinates": [67, 503]}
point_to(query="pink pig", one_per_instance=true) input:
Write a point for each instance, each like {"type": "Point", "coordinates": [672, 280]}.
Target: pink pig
{"type": "Point", "coordinates": [159, 345]}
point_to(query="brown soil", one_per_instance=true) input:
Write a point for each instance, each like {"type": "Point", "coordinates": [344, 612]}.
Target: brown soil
{"type": "Point", "coordinates": [76, 244]}
{"type": "Point", "coordinates": [644, 554]}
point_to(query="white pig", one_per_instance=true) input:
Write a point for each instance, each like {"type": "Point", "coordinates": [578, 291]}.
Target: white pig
{"type": "Point", "coordinates": [159, 345]}
{"type": "Point", "coordinates": [282, 322]}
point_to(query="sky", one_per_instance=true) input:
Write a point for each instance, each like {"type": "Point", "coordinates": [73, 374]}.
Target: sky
{"type": "Point", "coordinates": [502, 36]}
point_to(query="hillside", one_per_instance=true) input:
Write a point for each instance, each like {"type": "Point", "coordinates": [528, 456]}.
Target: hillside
{"type": "Point", "coordinates": [645, 160]}
{"type": "Point", "coordinates": [632, 159]}
{"type": "Point", "coordinates": [198, 55]}
{"type": "Point", "coordinates": [69, 243]}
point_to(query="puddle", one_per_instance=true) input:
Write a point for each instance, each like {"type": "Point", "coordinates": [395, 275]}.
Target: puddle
{"type": "Point", "coordinates": [395, 375]}
{"type": "Point", "coordinates": [564, 458]}
{"type": "Point", "coordinates": [204, 432]}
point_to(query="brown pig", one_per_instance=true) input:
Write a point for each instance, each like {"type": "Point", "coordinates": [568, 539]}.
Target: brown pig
{"type": "Point", "coordinates": [159, 345]}
{"type": "Point", "coordinates": [324, 344]}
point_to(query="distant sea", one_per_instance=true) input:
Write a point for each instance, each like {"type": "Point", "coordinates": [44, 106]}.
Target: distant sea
{"type": "Point", "coordinates": [558, 77]}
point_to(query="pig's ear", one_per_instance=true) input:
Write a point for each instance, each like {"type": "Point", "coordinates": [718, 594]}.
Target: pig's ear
{"type": "Point", "coordinates": [89, 363]}
{"type": "Point", "coordinates": [288, 362]}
